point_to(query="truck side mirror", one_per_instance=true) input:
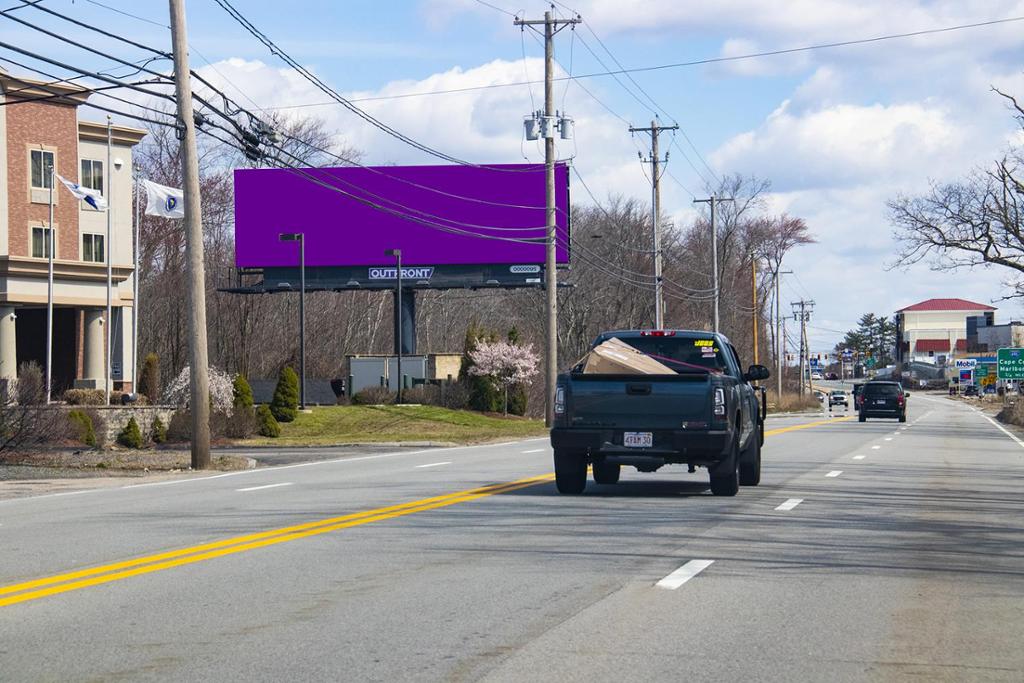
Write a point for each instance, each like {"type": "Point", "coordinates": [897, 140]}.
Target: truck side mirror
{"type": "Point", "coordinates": [756, 373]}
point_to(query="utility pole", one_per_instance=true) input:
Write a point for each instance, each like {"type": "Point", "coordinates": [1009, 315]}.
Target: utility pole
{"type": "Point", "coordinates": [803, 315]}
{"type": "Point", "coordinates": [655, 160]}
{"type": "Point", "coordinates": [551, 27]}
{"type": "Point", "coordinates": [780, 330]}
{"type": "Point", "coordinates": [713, 200]}
{"type": "Point", "coordinates": [108, 376]}
{"type": "Point", "coordinates": [753, 292]}
{"type": "Point", "coordinates": [200, 397]}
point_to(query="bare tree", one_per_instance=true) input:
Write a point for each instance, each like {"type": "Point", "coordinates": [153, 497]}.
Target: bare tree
{"type": "Point", "coordinates": [970, 223]}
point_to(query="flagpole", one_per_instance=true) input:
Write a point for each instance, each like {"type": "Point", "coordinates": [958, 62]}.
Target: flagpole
{"type": "Point", "coordinates": [135, 293]}
{"type": "Point", "coordinates": [49, 295]}
{"type": "Point", "coordinates": [109, 250]}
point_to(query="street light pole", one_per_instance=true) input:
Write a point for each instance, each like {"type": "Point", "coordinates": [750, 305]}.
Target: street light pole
{"type": "Point", "coordinates": [397, 253]}
{"type": "Point", "coordinates": [300, 238]}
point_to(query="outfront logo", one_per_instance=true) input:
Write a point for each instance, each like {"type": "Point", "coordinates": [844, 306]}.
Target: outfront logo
{"type": "Point", "coordinates": [410, 273]}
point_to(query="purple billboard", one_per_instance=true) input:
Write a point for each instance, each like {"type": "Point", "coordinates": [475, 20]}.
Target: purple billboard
{"type": "Point", "coordinates": [437, 215]}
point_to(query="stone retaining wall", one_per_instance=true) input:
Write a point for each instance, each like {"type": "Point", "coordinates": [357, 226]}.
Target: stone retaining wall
{"type": "Point", "coordinates": [116, 417]}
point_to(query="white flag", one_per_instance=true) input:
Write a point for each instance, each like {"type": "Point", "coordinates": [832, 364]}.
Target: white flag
{"type": "Point", "coordinates": [90, 197]}
{"type": "Point", "coordinates": [167, 202]}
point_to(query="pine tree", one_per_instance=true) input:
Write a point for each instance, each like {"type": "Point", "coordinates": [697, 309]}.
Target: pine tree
{"type": "Point", "coordinates": [285, 404]}
{"type": "Point", "coordinates": [149, 380]}
{"type": "Point", "coordinates": [242, 392]}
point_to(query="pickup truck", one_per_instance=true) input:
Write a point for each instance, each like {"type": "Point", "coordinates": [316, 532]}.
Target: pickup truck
{"type": "Point", "coordinates": [704, 414]}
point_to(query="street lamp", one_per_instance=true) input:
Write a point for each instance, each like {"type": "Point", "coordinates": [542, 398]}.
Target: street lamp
{"type": "Point", "coordinates": [298, 237]}
{"type": "Point", "coordinates": [397, 253]}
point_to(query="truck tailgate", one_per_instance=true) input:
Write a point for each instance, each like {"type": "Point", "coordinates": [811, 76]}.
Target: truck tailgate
{"type": "Point", "coordinates": [639, 401]}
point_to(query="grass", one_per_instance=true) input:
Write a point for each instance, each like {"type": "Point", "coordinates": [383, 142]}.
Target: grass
{"type": "Point", "coordinates": [793, 403]}
{"type": "Point", "coordinates": [331, 425]}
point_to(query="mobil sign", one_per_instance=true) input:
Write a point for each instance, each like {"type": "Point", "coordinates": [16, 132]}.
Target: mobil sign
{"type": "Point", "coordinates": [965, 363]}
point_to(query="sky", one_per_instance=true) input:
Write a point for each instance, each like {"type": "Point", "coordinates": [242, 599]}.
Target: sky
{"type": "Point", "coordinates": [836, 131]}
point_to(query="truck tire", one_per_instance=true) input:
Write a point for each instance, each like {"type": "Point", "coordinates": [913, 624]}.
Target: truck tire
{"type": "Point", "coordinates": [570, 471]}
{"type": "Point", "coordinates": [606, 473]}
{"type": "Point", "coordinates": [750, 463]}
{"type": "Point", "coordinates": [725, 477]}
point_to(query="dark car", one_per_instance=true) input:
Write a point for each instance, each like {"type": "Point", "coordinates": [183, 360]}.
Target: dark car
{"type": "Point", "coordinates": [882, 399]}
{"type": "Point", "coordinates": [971, 390]}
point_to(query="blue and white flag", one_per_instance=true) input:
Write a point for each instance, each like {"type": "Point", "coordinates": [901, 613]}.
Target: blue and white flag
{"type": "Point", "coordinates": [163, 201]}
{"type": "Point", "coordinates": [87, 195]}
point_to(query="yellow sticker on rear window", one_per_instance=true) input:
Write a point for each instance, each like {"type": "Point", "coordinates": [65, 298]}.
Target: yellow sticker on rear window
{"type": "Point", "coordinates": [703, 342]}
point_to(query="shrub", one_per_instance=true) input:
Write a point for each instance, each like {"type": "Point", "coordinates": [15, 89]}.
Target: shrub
{"type": "Point", "coordinates": [426, 394]}
{"type": "Point", "coordinates": [180, 427]}
{"type": "Point", "coordinates": [242, 392]}
{"type": "Point", "coordinates": [131, 435]}
{"type": "Point", "coordinates": [517, 399]}
{"type": "Point", "coordinates": [285, 403]}
{"type": "Point", "coordinates": [240, 424]}
{"type": "Point", "coordinates": [158, 430]}
{"type": "Point", "coordinates": [222, 393]}
{"type": "Point", "coordinates": [82, 424]}
{"type": "Point", "coordinates": [374, 396]}
{"type": "Point", "coordinates": [267, 425]}
{"type": "Point", "coordinates": [1013, 414]}
{"type": "Point", "coordinates": [84, 397]}
{"type": "Point", "coordinates": [31, 388]}
{"type": "Point", "coordinates": [149, 379]}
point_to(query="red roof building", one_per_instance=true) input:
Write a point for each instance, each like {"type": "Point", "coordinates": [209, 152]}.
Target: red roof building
{"type": "Point", "coordinates": [931, 331]}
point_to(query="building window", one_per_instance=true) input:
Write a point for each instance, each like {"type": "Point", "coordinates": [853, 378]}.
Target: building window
{"type": "Point", "coordinates": [42, 162]}
{"type": "Point", "coordinates": [40, 242]}
{"type": "Point", "coordinates": [92, 248]}
{"type": "Point", "coordinates": [92, 175]}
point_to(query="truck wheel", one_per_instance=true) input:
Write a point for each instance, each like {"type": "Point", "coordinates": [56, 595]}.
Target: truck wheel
{"type": "Point", "coordinates": [725, 477]}
{"type": "Point", "coordinates": [750, 463]}
{"type": "Point", "coordinates": [570, 471]}
{"type": "Point", "coordinates": [606, 473]}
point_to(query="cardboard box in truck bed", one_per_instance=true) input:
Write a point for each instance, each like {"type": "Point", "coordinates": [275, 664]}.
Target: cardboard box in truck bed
{"type": "Point", "coordinates": [616, 357]}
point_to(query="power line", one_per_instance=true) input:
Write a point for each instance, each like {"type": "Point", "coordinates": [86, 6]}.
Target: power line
{"type": "Point", "coordinates": [675, 65]}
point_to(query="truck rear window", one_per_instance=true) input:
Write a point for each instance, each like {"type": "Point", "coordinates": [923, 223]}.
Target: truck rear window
{"type": "Point", "coordinates": [682, 354]}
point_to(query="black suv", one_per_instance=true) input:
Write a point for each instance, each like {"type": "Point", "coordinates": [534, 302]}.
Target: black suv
{"type": "Point", "coordinates": [882, 399]}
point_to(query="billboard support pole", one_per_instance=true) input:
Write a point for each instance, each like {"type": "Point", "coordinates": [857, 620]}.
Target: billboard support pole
{"type": "Point", "coordinates": [551, 26]}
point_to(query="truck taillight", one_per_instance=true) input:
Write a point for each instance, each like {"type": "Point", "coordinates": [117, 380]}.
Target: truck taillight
{"type": "Point", "coordinates": [658, 333]}
{"type": "Point", "coordinates": [719, 402]}
{"type": "Point", "coordinates": [899, 399]}
{"type": "Point", "coordinates": [560, 400]}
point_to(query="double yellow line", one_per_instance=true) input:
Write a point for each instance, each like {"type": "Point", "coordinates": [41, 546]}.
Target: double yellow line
{"type": "Point", "coordinates": [70, 581]}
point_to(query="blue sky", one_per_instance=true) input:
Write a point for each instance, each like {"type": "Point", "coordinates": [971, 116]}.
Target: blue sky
{"type": "Point", "coordinates": [837, 132]}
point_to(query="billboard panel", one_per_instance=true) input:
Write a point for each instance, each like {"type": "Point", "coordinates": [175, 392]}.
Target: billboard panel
{"type": "Point", "coordinates": [437, 215]}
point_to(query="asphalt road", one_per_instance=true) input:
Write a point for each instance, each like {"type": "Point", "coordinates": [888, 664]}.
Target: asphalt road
{"type": "Point", "coordinates": [873, 551]}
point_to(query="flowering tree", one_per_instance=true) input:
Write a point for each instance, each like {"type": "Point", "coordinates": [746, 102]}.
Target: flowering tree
{"type": "Point", "coordinates": [504, 363]}
{"type": "Point", "coordinates": [222, 390]}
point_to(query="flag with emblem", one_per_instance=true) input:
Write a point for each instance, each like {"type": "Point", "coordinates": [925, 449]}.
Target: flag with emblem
{"type": "Point", "coordinates": [163, 201]}
{"type": "Point", "coordinates": [91, 197]}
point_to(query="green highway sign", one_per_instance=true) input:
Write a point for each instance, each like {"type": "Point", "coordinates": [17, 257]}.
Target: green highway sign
{"type": "Point", "coordinates": [981, 371]}
{"type": "Point", "coordinates": [1010, 364]}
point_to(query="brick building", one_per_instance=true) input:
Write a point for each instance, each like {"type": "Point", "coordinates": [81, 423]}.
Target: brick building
{"type": "Point", "coordinates": [40, 128]}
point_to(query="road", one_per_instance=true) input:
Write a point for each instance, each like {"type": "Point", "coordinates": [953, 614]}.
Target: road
{"type": "Point", "coordinates": [874, 551]}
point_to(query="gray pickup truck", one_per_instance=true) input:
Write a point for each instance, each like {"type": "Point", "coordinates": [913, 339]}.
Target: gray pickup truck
{"type": "Point", "coordinates": [705, 413]}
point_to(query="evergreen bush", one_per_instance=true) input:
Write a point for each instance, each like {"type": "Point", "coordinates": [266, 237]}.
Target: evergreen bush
{"type": "Point", "coordinates": [159, 430]}
{"type": "Point", "coordinates": [285, 404]}
{"type": "Point", "coordinates": [267, 425]}
{"type": "Point", "coordinates": [149, 380]}
{"type": "Point", "coordinates": [84, 430]}
{"type": "Point", "coordinates": [242, 392]}
{"type": "Point", "coordinates": [131, 435]}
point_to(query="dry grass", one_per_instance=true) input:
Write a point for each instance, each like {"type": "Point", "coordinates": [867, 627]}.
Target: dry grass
{"type": "Point", "coordinates": [793, 403]}
{"type": "Point", "coordinates": [1013, 414]}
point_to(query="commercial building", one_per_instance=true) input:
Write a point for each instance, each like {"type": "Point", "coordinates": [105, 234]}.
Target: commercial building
{"type": "Point", "coordinates": [931, 331]}
{"type": "Point", "coordinates": [39, 130]}
{"type": "Point", "coordinates": [984, 337]}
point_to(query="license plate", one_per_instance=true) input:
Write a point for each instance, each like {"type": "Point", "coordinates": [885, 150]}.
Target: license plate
{"type": "Point", "coordinates": [880, 402]}
{"type": "Point", "coordinates": [638, 439]}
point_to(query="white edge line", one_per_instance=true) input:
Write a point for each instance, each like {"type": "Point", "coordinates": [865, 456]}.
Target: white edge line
{"type": "Point", "coordinates": [790, 504]}
{"type": "Point", "coordinates": [434, 464]}
{"type": "Point", "coordinates": [684, 574]}
{"type": "Point", "coordinates": [265, 486]}
{"type": "Point", "coordinates": [258, 470]}
{"type": "Point", "coordinates": [535, 450]}
{"type": "Point", "coordinates": [834, 473]}
{"type": "Point", "coordinates": [875, 448]}
{"type": "Point", "coordinates": [1003, 429]}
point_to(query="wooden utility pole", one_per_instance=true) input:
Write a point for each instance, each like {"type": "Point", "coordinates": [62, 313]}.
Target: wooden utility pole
{"type": "Point", "coordinates": [551, 27]}
{"type": "Point", "coordinates": [199, 405]}
{"type": "Point", "coordinates": [655, 160]}
{"type": "Point", "coordinates": [803, 315]}
{"type": "Point", "coordinates": [753, 292]}
{"type": "Point", "coordinates": [713, 201]}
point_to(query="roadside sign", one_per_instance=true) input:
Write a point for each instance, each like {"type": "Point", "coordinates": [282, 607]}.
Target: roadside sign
{"type": "Point", "coordinates": [1010, 364]}
{"type": "Point", "coordinates": [967, 377]}
{"type": "Point", "coordinates": [965, 363]}
{"type": "Point", "coordinates": [981, 371]}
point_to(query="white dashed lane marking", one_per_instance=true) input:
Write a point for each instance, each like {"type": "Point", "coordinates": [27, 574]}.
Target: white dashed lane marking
{"type": "Point", "coordinates": [790, 504]}
{"type": "Point", "coordinates": [684, 574]}
{"type": "Point", "coordinates": [834, 473]}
